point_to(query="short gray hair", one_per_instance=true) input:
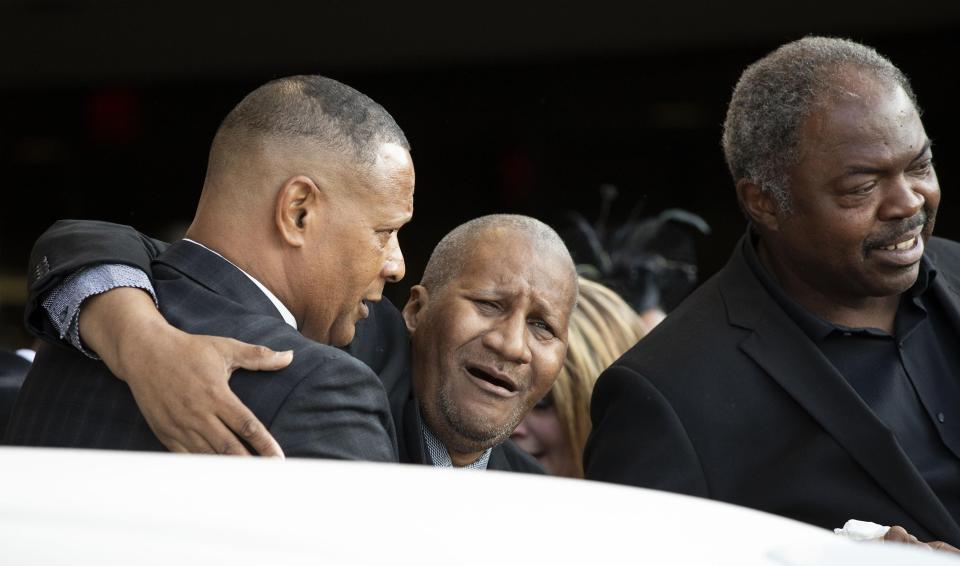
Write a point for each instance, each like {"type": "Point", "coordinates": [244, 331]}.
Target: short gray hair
{"type": "Point", "coordinates": [446, 261]}
{"type": "Point", "coordinates": [774, 97]}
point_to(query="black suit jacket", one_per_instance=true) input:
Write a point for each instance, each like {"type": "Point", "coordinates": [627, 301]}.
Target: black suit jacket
{"type": "Point", "coordinates": [381, 340]}
{"type": "Point", "coordinates": [325, 404]}
{"type": "Point", "coordinates": [13, 370]}
{"type": "Point", "coordinates": [729, 399]}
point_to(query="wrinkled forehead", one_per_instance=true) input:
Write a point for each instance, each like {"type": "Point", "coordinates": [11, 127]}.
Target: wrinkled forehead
{"type": "Point", "coordinates": [852, 90]}
{"type": "Point", "coordinates": [863, 114]}
{"type": "Point", "coordinates": [511, 261]}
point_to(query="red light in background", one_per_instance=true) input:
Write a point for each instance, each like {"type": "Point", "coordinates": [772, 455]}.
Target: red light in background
{"type": "Point", "coordinates": [113, 116]}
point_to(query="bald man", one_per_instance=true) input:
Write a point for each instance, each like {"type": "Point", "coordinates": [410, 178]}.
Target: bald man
{"type": "Point", "coordinates": [294, 236]}
{"type": "Point", "coordinates": [488, 326]}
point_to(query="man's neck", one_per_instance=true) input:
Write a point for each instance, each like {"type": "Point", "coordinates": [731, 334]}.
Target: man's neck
{"type": "Point", "coordinates": [457, 459]}
{"type": "Point", "coordinates": [460, 459]}
{"type": "Point", "coordinates": [859, 312]}
{"type": "Point", "coordinates": [228, 251]}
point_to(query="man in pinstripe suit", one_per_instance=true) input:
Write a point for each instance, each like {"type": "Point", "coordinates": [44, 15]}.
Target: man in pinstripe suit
{"type": "Point", "coordinates": [308, 182]}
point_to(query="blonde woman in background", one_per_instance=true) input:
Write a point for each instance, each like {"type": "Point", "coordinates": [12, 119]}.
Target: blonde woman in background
{"type": "Point", "coordinates": [603, 326]}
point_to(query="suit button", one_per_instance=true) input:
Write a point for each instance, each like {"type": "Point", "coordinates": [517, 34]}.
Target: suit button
{"type": "Point", "coordinates": [940, 417]}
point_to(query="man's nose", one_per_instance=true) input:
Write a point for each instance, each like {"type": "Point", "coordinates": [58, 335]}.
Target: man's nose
{"type": "Point", "coordinates": [904, 199]}
{"type": "Point", "coordinates": [509, 339]}
{"type": "Point", "coordinates": [394, 267]}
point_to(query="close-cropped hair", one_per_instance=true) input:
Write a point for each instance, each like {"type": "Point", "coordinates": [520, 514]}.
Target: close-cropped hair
{"type": "Point", "coordinates": [602, 327]}
{"type": "Point", "coordinates": [775, 96]}
{"type": "Point", "coordinates": [325, 112]}
{"type": "Point", "coordinates": [446, 261]}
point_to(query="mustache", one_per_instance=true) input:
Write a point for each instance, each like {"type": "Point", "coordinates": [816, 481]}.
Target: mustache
{"type": "Point", "coordinates": [895, 231]}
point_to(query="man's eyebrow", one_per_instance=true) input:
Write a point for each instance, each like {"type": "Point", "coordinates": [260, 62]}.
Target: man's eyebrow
{"type": "Point", "coordinates": [862, 170]}
{"type": "Point", "coordinates": [399, 220]}
{"type": "Point", "coordinates": [865, 170]}
{"type": "Point", "coordinates": [547, 311]}
{"type": "Point", "coordinates": [924, 150]}
{"type": "Point", "coordinates": [484, 292]}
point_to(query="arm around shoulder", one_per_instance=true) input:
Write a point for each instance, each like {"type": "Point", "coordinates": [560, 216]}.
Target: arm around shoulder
{"type": "Point", "coordinates": [71, 245]}
{"type": "Point", "coordinates": [637, 437]}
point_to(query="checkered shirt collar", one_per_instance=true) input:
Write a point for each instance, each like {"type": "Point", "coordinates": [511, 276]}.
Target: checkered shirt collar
{"type": "Point", "coordinates": [441, 458]}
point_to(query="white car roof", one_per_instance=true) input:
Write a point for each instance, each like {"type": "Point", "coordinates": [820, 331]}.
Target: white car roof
{"type": "Point", "coordinates": [104, 508]}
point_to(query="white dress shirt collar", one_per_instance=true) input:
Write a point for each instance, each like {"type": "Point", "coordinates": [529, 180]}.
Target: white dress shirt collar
{"type": "Point", "coordinates": [284, 311]}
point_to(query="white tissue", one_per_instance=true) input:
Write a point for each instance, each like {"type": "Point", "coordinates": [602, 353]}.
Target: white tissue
{"type": "Point", "coordinates": [862, 530]}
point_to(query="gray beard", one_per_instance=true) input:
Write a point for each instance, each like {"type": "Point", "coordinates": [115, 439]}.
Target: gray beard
{"type": "Point", "coordinates": [464, 433]}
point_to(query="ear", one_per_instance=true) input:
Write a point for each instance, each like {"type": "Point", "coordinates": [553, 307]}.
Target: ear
{"type": "Point", "coordinates": [416, 304]}
{"type": "Point", "coordinates": [758, 204]}
{"type": "Point", "coordinates": [300, 205]}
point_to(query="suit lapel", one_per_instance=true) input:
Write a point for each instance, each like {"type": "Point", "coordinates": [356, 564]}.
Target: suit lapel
{"type": "Point", "coordinates": [789, 357]}
{"type": "Point", "coordinates": [498, 459]}
{"type": "Point", "coordinates": [410, 437]}
{"type": "Point", "coordinates": [216, 274]}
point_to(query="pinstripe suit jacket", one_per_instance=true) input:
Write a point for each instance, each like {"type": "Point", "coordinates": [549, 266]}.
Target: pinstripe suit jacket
{"type": "Point", "coordinates": [325, 404]}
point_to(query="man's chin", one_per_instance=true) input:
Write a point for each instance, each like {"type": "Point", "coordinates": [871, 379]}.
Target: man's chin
{"type": "Point", "coordinates": [342, 335]}
{"type": "Point", "coordinates": [474, 432]}
{"type": "Point", "coordinates": [894, 281]}
{"type": "Point", "coordinates": [469, 441]}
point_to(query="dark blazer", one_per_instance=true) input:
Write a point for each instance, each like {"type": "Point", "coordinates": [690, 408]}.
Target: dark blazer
{"type": "Point", "coordinates": [729, 399]}
{"type": "Point", "coordinates": [381, 340]}
{"type": "Point", "coordinates": [13, 370]}
{"type": "Point", "coordinates": [505, 457]}
{"type": "Point", "coordinates": [325, 404]}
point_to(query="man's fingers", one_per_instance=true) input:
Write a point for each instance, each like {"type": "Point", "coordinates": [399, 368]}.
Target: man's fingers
{"type": "Point", "coordinates": [258, 358]}
{"type": "Point", "coordinates": [177, 442]}
{"type": "Point", "coordinates": [899, 534]}
{"type": "Point", "coordinates": [199, 413]}
{"type": "Point", "coordinates": [203, 437]}
{"type": "Point", "coordinates": [247, 427]}
{"type": "Point", "coordinates": [173, 446]}
{"type": "Point", "coordinates": [942, 546]}
{"type": "Point", "coordinates": [214, 438]}
{"type": "Point", "coordinates": [195, 443]}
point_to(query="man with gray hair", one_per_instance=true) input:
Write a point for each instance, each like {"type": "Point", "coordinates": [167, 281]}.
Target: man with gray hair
{"type": "Point", "coordinates": [816, 374]}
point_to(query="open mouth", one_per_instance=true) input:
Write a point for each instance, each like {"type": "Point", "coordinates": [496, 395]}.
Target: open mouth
{"type": "Point", "coordinates": [901, 246]}
{"type": "Point", "coordinates": [904, 251]}
{"type": "Point", "coordinates": [491, 379]}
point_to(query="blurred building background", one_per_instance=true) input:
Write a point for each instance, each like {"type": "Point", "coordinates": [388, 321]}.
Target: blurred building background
{"type": "Point", "coordinates": [107, 107]}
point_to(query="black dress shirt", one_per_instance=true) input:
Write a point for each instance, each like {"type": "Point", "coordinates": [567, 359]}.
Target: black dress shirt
{"type": "Point", "coordinates": [910, 379]}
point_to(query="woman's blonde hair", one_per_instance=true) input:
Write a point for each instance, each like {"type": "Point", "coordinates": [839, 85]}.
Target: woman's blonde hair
{"type": "Point", "coordinates": [602, 327]}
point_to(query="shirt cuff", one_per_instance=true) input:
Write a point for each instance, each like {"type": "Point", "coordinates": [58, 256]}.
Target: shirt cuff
{"type": "Point", "coordinates": [64, 301]}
